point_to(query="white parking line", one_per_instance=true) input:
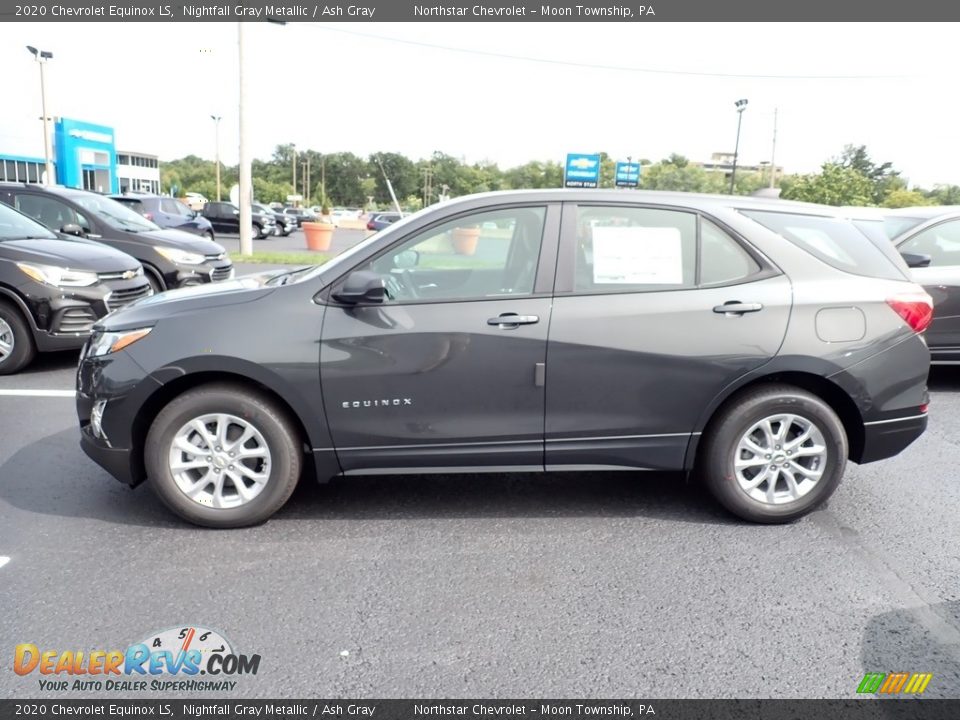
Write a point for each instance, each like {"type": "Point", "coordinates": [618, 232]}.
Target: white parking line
{"type": "Point", "coordinates": [3, 560]}
{"type": "Point", "coordinates": [38, 393]}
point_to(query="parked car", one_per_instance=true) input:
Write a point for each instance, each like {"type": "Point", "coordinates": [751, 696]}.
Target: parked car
{"type": "Point", "coordinates": [341, 215]}
{"type": "Point", "coordinates": [167, 213]}
{"type": "Point", "coordinates": [170, 258]}
{"type": "Point", "coordinates": [757, 343]}
{"type": "Point", "coordinates": [52, 289]}
{"type": "Point", "coordinates": [928, 238]}
{"type": "Point", "coordinates": [283, 224]}
{"type": "Point", "coordinates": [225, 218]}
{"type": "Point", "coordinates": [380, 220]}
{"type": "Point", "coordinates": [302, 215]}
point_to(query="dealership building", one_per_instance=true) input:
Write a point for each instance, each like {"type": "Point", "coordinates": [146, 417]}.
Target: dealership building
{"type": "Point", "coordinates": [85, 157]}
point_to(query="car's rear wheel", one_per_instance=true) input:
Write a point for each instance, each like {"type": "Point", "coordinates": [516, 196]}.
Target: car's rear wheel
{"type": "Point", "coordinates": [222, 456]}
{"type": "Point", "coordinates": [775, 454]}
{"type": "Point", "coordinates": [16, 342]}
{"type": "Point", "coordinates": [256, 232]}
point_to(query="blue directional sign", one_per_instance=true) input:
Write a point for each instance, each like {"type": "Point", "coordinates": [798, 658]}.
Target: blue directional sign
{"type": "Point", "coordinates": [582, 171]}
{"type": "Point", "coordinates": [628, 174]}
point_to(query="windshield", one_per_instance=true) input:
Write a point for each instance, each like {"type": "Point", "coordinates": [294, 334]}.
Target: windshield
{"type": "Point", "coordinates": [114, 214]}
{"type": "Point", "coordinates": [17, 226]}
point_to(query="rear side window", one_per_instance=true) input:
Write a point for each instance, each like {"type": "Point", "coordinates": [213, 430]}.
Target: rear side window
{"type": "Point", "coordinates": [835, 241]}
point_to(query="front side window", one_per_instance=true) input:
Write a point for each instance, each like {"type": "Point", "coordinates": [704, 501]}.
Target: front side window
{"type": "Point", "coordinates": [114, 214]}
{"type": "Point", "coordinates": [941, 242]}
{"type": "Point", "coordinates": [484, 255]}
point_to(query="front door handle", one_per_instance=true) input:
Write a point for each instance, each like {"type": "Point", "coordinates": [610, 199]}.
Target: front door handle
{"type": "Point", "coordinates": [735, 307]}
{"type": "Point", "coordinates": [509, 321]}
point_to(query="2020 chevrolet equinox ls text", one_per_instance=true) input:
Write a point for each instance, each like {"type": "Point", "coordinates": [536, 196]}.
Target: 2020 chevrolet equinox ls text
{"type": "Point", "coordinates": [757, 343]}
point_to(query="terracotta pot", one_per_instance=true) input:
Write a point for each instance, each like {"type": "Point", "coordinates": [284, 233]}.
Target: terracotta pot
{"type": "Point", "coordinates": [465, 240]}
{"type": "Point", "coordinates": [318, 235]}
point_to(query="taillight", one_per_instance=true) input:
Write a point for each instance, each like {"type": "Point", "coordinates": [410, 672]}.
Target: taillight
{"type": "Point", "coordinates": [924, 407]}
{"type": "Point", "coordinates": [915, 308]}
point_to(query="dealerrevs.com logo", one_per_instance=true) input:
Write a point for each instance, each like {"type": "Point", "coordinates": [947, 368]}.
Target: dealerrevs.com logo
{"type": "Point", "coordinates": [187, 659]}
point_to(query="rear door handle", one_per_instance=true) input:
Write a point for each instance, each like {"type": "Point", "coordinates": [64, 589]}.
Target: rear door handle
{"type": "Point", "coordinates": [737, 308]}
{"type": "Point", "coordinates": [509, 321]}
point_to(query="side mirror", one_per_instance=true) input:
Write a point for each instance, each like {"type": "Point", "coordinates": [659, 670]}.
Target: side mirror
{"type": "Point", "coordinates": [916, 260]}
{"type": "Point", "coordinates": [406, 259]}
{"type": "Point", "coordinates": [362, 286]}
{"type": "Point", "coordinates": [72, 229]}
{"type": "Point", "coordinates": [236, 212]}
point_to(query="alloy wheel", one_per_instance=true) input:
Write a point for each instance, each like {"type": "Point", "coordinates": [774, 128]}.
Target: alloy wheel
{"type": "Point", "coordinates": [780, 458]}
{"type": "Point", "coordinates": [6, 340]}
{"type": "Point", "coordinates": [220, 460]}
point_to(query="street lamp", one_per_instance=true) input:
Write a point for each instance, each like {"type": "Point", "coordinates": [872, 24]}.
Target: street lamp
{"type": "Point", "coordinates": [216, 135]}
{"type": "Point", "coordinates": [42, 56]}
{"type": "Point", "coordinates": [741, 106]}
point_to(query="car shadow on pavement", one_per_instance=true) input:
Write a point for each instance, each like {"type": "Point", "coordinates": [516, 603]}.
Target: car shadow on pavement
{"type": "Point", "coordinates": [51, 361]}
{"type": "Point", "coordinates": [53, 477]}
{"type": "Point", "coordinates": [924, 639]}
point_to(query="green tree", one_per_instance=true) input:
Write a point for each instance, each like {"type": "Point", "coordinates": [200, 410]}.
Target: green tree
{"type": "Point", "coordinates": [834, 185]}
{"type": "Point", "coordinates": [906, 198]}
{"type": "Point", "coordinates": [882, 177]}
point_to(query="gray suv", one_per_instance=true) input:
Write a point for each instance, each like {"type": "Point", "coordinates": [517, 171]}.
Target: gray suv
{"type": "Point", "coordinates": [758, 344]}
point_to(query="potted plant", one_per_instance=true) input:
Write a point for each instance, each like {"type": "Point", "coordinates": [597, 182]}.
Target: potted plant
{"type": "Point", "coordinates": [465, 240]}
{"type": "Point", "coordinates": [320, 234]}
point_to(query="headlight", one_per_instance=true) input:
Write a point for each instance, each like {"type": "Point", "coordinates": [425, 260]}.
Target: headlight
{"type": "Point", "coordinates": [181, 257]}
{"type": "Point", "coordinates": [58, 276]}
{"type": "Point", "coordinates": [106, 342]}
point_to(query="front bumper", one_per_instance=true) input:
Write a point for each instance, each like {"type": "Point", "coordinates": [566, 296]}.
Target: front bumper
{"type": "Point", "coordinates": [121, 387]}
{"type": "Point", "coordinates": [206, 272]}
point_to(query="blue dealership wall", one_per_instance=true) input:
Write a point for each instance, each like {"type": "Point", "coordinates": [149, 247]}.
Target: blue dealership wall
{"type": "Point", "coordinates": [76, 143]}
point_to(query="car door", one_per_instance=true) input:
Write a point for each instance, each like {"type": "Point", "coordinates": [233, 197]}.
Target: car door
{"type": "Point", "coordinates": [447, 372]}
{"type": "Point", "coordinates": [640, 340]}
{"type": "Point", "coordinates": [941, 279]}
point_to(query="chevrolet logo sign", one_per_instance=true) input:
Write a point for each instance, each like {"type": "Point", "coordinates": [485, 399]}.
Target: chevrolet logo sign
{"type": "Point", "coordinates": [129, 274]}
{"type": "Point", "coordinates": [583, 163]}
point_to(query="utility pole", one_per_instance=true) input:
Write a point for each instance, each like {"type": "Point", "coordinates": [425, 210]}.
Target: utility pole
{"type": "Point", "coordinates": [216, 135]}
{"type": "Point", "coordinates": [773, 152]}
{"type": "Point", "coordinates": [246, 173]}
{"type": "Point", "coordinates": [306, 184]}
{"type": "Point", "coordinates": [323, 180]}
{"type": "Point", "coordinates": [427, 185]}
{"type": "Point", "coordinates": [293, 161]}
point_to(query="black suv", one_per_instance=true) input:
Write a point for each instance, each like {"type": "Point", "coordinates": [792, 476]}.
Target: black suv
{"type": "Point", "coordinates": [53, 289]}
{"type": "Point", "coordinates": [167, 212]}
{"type": "Point", "coordinates": [760, 343]}
{"type": "Point", "coordinates": [285, 224]}
{"type": "Point", "coordinates": [170, 258]}
{"type": "Point", "coordinates": [225, 218]}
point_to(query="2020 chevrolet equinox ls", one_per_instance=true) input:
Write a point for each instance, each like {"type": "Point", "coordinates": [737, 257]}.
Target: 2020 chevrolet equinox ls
{"type": "Point", "coordinates": [758, 343]}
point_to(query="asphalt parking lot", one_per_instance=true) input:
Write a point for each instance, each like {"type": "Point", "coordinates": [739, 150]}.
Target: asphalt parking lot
{"type": "Point", "coordinates": [574, 585]}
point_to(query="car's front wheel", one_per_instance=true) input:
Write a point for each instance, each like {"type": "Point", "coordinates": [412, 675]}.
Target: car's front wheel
{"type": "Point", "coordinates": [775, 454]}
{"type": "Point", "coordinates": [257, 232]}
{"type": "Point", "coordinates": [222, 456]}
{"type": "Point", "coordinates": [16, 342]}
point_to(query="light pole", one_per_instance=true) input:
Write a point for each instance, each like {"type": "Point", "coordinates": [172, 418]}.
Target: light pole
{"type": "Point", "coordinates": [293, 162]}
{"type": "Point", "coordinates": [741, 106]}
{"type": "Point", "coordinates": [42, 56]}
{"type": "Point", "coordinates": [216, 135]}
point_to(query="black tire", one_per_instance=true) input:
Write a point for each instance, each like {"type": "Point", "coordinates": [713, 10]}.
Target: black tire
{"type": "Point", "coordinates": [154, 282]}
{"type": "Point", "coordinates": [716, 461]}
{"type": "Point", "coordinates": [257, 232]}
{"type": "Point", "coordinates": [280, 434]}
{"type": "Point", "coordinates": [23, 350]}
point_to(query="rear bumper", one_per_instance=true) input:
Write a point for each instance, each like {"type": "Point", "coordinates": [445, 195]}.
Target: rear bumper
{"type": "Point", "coordinates": [886, 438]}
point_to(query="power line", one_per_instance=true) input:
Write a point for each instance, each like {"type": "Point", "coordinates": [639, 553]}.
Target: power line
{"type": "Point", "coordinates": [589, 66]}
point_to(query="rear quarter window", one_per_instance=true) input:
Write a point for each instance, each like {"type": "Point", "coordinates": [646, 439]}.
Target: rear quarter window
{"type": "Point", "coordinates": [836, 242]}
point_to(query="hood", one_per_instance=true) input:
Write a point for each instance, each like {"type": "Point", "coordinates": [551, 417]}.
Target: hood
{"type": "Point", "coordinates": [182, 241]}
{"type": "Point", "coordinates": [73, 254]}
{"type": "Point", "coordinates": [151, 309]}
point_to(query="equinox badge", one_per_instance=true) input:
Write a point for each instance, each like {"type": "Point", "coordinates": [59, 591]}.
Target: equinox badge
{"type": "Point", "coordinates": [385, 402]}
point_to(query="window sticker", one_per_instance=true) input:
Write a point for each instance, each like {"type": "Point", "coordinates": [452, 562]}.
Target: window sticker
{"type": "Point", "coordinates": [637, 256]}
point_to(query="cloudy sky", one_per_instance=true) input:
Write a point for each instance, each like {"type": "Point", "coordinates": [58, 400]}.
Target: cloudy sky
{"type": "Point", "coordinates": [504, 92]}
